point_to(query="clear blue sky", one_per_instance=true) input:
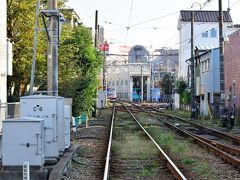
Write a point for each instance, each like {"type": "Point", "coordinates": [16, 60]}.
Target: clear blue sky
{"type": "Point", "coordinates": [116, 15]}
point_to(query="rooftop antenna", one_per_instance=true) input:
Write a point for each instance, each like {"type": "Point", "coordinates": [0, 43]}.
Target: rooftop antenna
{"type": "Point", "coordinates": [228, 9]}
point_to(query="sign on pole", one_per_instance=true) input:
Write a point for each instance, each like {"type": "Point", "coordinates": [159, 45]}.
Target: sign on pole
{"type": "Point", "coordinates": [103, 47]}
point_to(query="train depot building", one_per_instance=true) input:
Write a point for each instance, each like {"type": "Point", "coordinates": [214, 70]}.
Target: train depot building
{"type": "Point", "coordinates": [128, 71]}
{"type": "Point", "coordinates": [126, 80]}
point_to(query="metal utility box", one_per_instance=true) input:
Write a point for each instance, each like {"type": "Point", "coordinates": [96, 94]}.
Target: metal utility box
{"type": "Point", "coordinates": [45, 107]}
{"type": "Point", "coordinates": [67, 118]}
{"type": "Point", "coordinates": [60, 120]}
{"type": "Point", "coordinates": [101, 101]}
{"type": "Point", "coordinates": [23, 141]}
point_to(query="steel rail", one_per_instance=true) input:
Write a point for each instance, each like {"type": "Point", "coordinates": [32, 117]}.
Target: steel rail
{"type": "Point", "coordinates": [234, 138]}
{"type": "Point", "coordinates": [229, 149]}
{"type": "Point", "coordinates": [171, 166]}
{"type": "Point", "coordinates": [222, 134]}
{"type": "Point", "coordinates": [106, 169]}
{"type": "Point", "coordinates": [226, 157]}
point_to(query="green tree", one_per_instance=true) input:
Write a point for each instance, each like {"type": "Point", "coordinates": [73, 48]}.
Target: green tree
{"type": "Point", "coordinates": [181, 85]}
{"type": "Point", "coordinates": [181, 89]}
{"type": "Point", "coordinates": [79, 66]}
{"type": "Point", "coordinates": [167, 84]}
{"type": "Point", "coordinates": [20, 26]}
{"type": "Point", "coordinates": [20, 31]}
{"type": "Point", "coordinates": [79, 61]}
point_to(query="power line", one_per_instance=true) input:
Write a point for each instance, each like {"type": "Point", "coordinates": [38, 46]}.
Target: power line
{"type": "Point", "coordinates": [170, 14]}
{"type": "Point", "coordinates": [129, 19]}
{"type": "Point", "coordinates": [154, 19]}
{"type": "Point", "coordinates": [235, 3]}
{"type": "Point", "coordinates": [130, 14]}
{"type": "Point", "coordinates": [157, 18]}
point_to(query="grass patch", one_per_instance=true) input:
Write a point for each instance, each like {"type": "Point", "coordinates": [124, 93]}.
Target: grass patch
{"type": "Point", "coordinates": [188, 161]}
{"type": "Point", "coordinates": [133, 146]}
{"type": "Point", "coordinates": [202, 169]}
{"type": "Point", "coordinates": [182, 150]}
{"type": "Point", "coordinates": [149, 170]}
{"type": "Point", "coordinates": [181, 113]}
{"type": "Point", "coordinates": [167, 141]}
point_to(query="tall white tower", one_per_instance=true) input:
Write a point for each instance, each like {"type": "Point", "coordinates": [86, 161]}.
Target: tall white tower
{"type": "Point", "coordinates": [3, 59]}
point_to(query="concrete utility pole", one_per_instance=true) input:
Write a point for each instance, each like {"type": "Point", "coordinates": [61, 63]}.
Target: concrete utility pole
{"type": "Point", "coordinates": [52, 64]}
{"type": "Point", "coordinates": [221, 58]}
{"type": "Point", "coordinates": [234, 98]}
{"type": "Point", "coordinates": [96, 29]}
{"type": "Point", "coordinates": [193, 105]}
{"type": "Point", "coordinates": [34, 48]}
{"type": "Point", "coordinates": [141, 84]}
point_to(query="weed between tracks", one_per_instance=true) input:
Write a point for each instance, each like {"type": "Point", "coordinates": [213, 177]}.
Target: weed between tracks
{"type": "Point", "coordinates": [130, 145]}
{"type": "Point", "coordinates": [133, 146]}
{"type": "Point", "coordinates": [182, 150]}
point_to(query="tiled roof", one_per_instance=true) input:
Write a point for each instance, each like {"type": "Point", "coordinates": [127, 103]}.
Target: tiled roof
{"type": "Point", "coordinates": [204, 16]}
{"type": "Point", "coordinates": [205, 47]}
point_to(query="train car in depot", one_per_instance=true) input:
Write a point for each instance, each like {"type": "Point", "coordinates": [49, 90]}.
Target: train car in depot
{"type": "Point", "coordinates": [155, 94]}
{"type": "Point", "coordinates": [136, 94]}
{"type": "Point", "coordinates": [111, 94]}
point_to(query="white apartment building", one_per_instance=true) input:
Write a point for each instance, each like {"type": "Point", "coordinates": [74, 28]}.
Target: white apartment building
{"type": "Point", "coordinates": [206, 32]}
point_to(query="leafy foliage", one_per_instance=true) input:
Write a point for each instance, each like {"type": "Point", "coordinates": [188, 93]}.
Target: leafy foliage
{"type": "Point", "coordinates": [181, 86]}
{"type": "Point", "coordinates": [20, 31]}
{"type": "Point", "coordinates": [167, 84]}
{"type": "Point", "coordinates": [79, 66]}
{"type": "Point", "coordinates": [185, 97]}
{"type": "Point", "coordinates": [79, 62]}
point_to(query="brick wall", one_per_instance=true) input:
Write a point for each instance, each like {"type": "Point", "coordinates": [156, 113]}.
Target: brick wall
{"type": "Point", "coordinates": [232, 65]}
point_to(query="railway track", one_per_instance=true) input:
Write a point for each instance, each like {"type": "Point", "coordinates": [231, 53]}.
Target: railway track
{"type": "Point", "coordinates": [134, 166]}
{"type": "Point", "coordinates": [211, 139]}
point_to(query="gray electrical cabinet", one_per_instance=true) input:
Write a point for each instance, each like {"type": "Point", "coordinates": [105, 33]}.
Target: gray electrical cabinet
{"type": "Point", "coordinates": [61, 132]}
{"type": "Point", "coordinates": [101, 101]}
{"type": "Point", "coordinates": [47, 108]}
{"type": "Point", "coordinates": [23, 141]}
{"type": "Point", "coordinates": [67, 118]}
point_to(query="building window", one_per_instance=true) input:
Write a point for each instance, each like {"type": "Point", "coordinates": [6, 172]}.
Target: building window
{"type": "Point", "coordinates": [137, 49]}
{"type": "Point", "coordinates": [121, 82]}
{"type": "Point", "coordinates": [113, 83]}
{"type": "Point", "coordinates": [205, 65]}
{"type": "Point", "coordinates": [109, 83]}
{"type": "Point", "coordinates": [138, 58]}
{"type": "Point", "coordinates": [126, 82]}
{"type": "Point", "coordinates": [205, 34]}
{"type": "Point", "coordinates": [213, 33]}
{"type": "Point", "coordinates": [117, 83]}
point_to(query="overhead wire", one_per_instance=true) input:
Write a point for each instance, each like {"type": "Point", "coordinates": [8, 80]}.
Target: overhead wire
{"type": "Point", "coordinates": [236, 2]}
{"type": "Point", "coordinates": [129, 19]}
{"type": "Point", "coordinates": [203, 5]}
